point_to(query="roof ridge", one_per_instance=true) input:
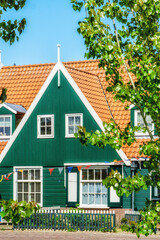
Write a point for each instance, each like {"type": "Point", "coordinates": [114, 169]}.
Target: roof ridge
{"type": "Point", "coordinates": [29, 65]}
{"type": "Point", "coordinates": [81, 61]}
{"type": "Point", "coordinates": [80, 70]}
{"type": "Point", "coordinates": [45, 64]}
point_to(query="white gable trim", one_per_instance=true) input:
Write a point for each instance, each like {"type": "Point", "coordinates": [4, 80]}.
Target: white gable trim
{"type": "Point", "coordinates": [131, 106]}
{"type": "Point", "coordinates": [7, 107]}
{"type": "Point", "coordinates": [58, 66]}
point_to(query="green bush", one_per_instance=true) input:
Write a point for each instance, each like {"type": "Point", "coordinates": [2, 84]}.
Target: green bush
{"type": "Point", "coordinates": [16, 212]}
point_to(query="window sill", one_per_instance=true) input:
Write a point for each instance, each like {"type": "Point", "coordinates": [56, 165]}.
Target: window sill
{"type": "Point", "coordinates": [44, 137]}
{"type": "Point", "coordinates": [94, 207]}
{"type": "Point", "coordinates": [5, 137]}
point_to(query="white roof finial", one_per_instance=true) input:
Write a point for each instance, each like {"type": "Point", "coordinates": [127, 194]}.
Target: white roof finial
{"type": "Point", "coordinates": [58, 56]}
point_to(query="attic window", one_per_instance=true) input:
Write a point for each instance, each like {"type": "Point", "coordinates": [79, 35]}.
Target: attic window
{"type": "Point", "coordinates": [45, 125]}
{"type": "Point", "coordinates": [5, 126]}
{"type": "Point", "coordinates": [138, 121]}
{"type": "Point", "coordinates": [72, 121]}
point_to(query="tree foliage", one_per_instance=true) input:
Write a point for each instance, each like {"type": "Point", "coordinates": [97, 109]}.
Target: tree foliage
{"type": "Point", "coordinates": [10, 30]}
{"type": "Point", "coordinates": [125, 36]}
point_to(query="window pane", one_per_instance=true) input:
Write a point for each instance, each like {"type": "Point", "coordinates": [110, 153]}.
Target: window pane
{"type": "Point", "coordinates": [97, 174]}
{"type": "Point", "coordinates": [32, 197]}
{"type": "Point", "coordinates": [84, 198]}
{"type": "Point", "coordinates": [7, 131]}
{"type": "Point", "coordinates": [48, 130]}
{"type": "Point", "coordinates": [91, 187]}
{"type": "Point", "coordinates": [42, 131]}
{"type": "Point", "coordinates": [7, 119]}
{"type": "Point", "coordinates": [84, 174]}
{"type": "Point", "coordinates": [98, 187]}
{"type": "Point", "coordinates": [91, 199]}
{"type": "Point", "coordinates": [32, 187]}
{"type": "Point", "coordinates": [104, 199]}
{"type": "Point", "coordinates": [104, 173]}
{"type": "Point", "coordinates": [38, 187]}
{"type": "Point", "coordinates": [38, 198]}
{"type": "Point", "coordinates": [91, 174]}
{"type": "Point", "coordinates": [19, 187]}
{"type": "Point", "coordinates": [77, 120]}
{"type": "Point", "coordinates": [25, 174]}
{"type": "Point", "coordinates": [31, 174]}
{"type": "Point", "coordinates": [26, 197]}
{"type": "Point", "coordinates": [19, 175]}
{"type": "Point", "coordinates": [25, 187]}
{"type": "Point", "coordinates": [19, 197]}
{"type": "Point", "coordinates": [85, 187]}
{"type": "Point", "coordinates": [1, 121]}
{"type": "Point", "coordinates": [48, 121]}
{"type": "Point", "coordinates": [104, 189]}
{"type": "Point", "coordinates": [71, 130]}
{"type": "Point", "coordinates": [76, 129]}
{"type": "Point", "coordinates": [42, 122]}
{"type": "Point", "coordinates": [71, 120]}
{"type": "Point", "coordinates": [1, 131]}
{"type": "Point", "coordinates": [37, 174]}
{"type": "Point", "coordinates": [98, 199]}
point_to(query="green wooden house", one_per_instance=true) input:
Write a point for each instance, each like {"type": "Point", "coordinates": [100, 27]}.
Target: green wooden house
{"type": "Point", "coordinates": [45, 104]}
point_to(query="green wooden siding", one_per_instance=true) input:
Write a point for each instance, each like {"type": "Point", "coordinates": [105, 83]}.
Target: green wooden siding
{"type": "Point", "coordinates": [6, 186]}
{"type": "Point", "coordinates": [140, 197]}
{"type": "Point", "coordinates": [27, 150]}
{"type": "Point", "coordinates": [54, 192]}
{"type": "Point", "coordinates": [5, 111]}
{"type": "Point", "coordinates": [127, 201]}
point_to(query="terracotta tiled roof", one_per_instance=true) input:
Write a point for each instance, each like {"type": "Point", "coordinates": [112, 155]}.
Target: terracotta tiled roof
{"type": "Point", "coordinates": [2, 146]}
{"type": "Point", "coordinates": [24, 82]}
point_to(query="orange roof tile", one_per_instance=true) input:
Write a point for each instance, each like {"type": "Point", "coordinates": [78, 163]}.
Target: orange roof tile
{"type": "Point", "coordinates": [24, 82]}
{"type": "Point", "coordinates": [2, 146]}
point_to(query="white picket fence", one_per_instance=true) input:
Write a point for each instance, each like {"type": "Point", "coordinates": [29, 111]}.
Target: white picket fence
{"type": "Point", "coordinates": [58, 210]}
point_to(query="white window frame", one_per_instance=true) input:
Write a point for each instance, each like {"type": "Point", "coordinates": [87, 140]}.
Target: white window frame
{"type": "Point", "coordinates": [136, 124]}
{"type": "Point", "coordinates": [52, 126]}
{"type": "Point", "coordinates": [3, 136]}
{"type": "Point", "coordinates": [67, 135]}
{"type": "Point", "coordinates": [15, 180]}
{"type": "Point", "coordinates": [92, 181]}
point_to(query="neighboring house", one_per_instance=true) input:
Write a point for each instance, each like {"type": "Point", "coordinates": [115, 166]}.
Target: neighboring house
{"type": "Point", "coordinates": [45, 104]}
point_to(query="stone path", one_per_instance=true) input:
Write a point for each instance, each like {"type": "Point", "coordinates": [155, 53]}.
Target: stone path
{"type": "Point", "coordinates": [59, 235]}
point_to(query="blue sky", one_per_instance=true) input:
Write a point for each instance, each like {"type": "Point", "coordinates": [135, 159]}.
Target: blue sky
{"type": "Point", "coordinates": [49, 22]}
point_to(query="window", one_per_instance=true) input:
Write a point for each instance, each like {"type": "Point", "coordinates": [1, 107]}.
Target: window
{"type": "Point", "coordinates": [72, 123]}
{"type": "Point", "coordinates": [45, 126]}
{"type": "Point", "coordinates": [93, 193]}
{"type": "Point", "coordinates": [5, 126]}
{"type": "Point", "coordinates": [28, 184]}
{"type": "Point", "coordinates": [155, 193]}
{"type": "Point", "coordinates": [139, 122]}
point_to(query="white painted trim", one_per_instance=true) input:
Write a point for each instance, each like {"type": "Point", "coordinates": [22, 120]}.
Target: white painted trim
{"type": "Point", "coordinates": [52, 126]}
{"type": "Point", "coordinates": [135, 124]}
{"type": "Point", "coordinates": [131, 106]}
{"type": "Point", "coordinates": [27, 168]}
{"type": "Point", "coordinates": [7, 107]}
{"type": "Point", "coordinates": [58, 66]}
{"type": "Point", "coordinates": [2, 137]}
{"type": "Point", "coordinates": [67, 135]}
{"type": "Point", "coordinates": [102, 164]}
